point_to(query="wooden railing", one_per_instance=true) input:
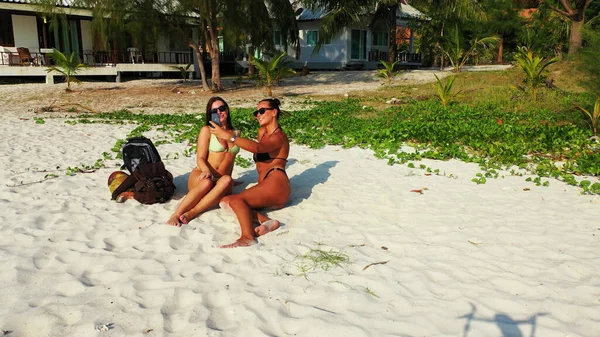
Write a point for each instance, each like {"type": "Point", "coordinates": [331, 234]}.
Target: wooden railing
{"type": "Point", "coordinates": [403, 57]}
{"type": "Point", "coordinates": [111, 58]}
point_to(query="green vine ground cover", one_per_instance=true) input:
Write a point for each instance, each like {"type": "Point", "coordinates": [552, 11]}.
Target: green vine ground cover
{"type": "Point", "coordinates": [542, 142]}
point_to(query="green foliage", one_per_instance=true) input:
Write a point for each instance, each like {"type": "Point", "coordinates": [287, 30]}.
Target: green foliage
{"type": "Point", "coordinates": [534, 69]}
{"type": "Point", "coordinates": [458, 54]}
{"type": "Point", "coordinates": [388, 71]}
{"type": "Point", "coordinates": [66, 66]}
{"type": "Point", "coordinates": [444, 90]}
{"type": "Point", "coordinates": [589, 58]}
{"type": "Point", "coordinates": [533, 140]}
{"type": "Point", "coordinates": [272, 71]}
{"type": "Point", "coordinates": [593, 116]}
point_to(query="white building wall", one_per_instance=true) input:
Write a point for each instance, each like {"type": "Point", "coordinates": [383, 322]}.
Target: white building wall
{"type": "Point", "coordinates": [336, 51]}
{"type": "Point", "coordinates": [25, 32]}
{"type": "Point", "coordinates": [86, 35]}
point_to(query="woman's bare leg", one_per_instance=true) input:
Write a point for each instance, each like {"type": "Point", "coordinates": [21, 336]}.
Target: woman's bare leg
{"type": "Point", "coordinates": [222, 188]}
{"type": "Point", "coordinates": [271, 192]}
{"type": "Point", "coordinates": [197, 190]}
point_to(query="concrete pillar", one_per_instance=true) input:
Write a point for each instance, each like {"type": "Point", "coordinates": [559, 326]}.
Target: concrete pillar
{"type": "Point", "coordinates": [411, 47]}
{"type": "Point", "coordinates": [190, 75]}
{"type": "Point", "coordinates": [118, 79]}
{"type": "Point", "coordinates": [49, 79]}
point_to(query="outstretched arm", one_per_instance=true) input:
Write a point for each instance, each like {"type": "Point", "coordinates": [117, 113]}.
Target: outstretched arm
{"type": "Point", "coordinates": [268, 145]}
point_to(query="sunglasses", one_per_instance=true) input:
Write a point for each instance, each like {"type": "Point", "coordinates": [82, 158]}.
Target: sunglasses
{"type": "Point", "coordinates": [261, 111]}
{"type": "Point", "coordinates": [222, 108]}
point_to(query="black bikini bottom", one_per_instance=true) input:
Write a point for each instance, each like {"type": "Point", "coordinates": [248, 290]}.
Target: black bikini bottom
{"type": "Point", "coordinates": [274, 169]}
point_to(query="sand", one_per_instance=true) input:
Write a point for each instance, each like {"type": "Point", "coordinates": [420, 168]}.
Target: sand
{"type": "Point", "coordinates": [506, 258]}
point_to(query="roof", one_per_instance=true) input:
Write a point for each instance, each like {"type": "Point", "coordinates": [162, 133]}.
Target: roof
{"type": "Point", "coordinates": [405, 11]}
{"type": "Point", "coordinates": [63, 3]}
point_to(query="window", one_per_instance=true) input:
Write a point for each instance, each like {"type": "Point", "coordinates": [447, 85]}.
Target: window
{"type": "Point", "coordinates": [7, 38]}
{"type": "Point", "coordinates": [312, 36]}
{"type": "Point", "coordinates": [380, 38]}
{"type": "Point", "coordinates": [277, 38]}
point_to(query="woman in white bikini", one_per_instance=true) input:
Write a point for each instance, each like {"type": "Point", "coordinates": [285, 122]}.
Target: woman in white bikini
{"type": "Point", "coordinates": [211, 179]}
{"type": "Point", "coordinates": [273, 188]}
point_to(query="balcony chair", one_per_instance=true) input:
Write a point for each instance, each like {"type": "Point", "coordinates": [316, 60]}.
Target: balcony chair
{"type": "Point", "coordinates": [25, 57]}
{"type": "Point", "coordinates": [134, 55]}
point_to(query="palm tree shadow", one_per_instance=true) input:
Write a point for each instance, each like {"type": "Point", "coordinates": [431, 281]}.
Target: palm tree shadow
{"type": "Point", "coordinates": [303, 183]}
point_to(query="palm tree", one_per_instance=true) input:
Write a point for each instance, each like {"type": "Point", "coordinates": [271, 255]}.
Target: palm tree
{"type": "Point", "coordinates": [272, 71]}
{"type": "Point", "coordinates": [66, 66]}
{"type": "Point", "coordinates": [443, 13]}
{"type": "Point", "coordinates": [458, 55]}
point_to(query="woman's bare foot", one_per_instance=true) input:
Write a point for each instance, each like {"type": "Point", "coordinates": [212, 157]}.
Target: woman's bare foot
{"type": "Point", "coordinates": [240, 243]}
{"type": "Point", "coordinates": [174, 221]}
{"type": "Point", "coordinates": [183, 219]}
{"type": "Point", "coordinates": [266, 227]}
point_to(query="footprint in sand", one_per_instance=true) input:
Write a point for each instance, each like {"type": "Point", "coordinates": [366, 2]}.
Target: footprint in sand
{"type": "Point", "coordinates": [44, 258]}
{"type": "Point", "coordinates": [96, 275]}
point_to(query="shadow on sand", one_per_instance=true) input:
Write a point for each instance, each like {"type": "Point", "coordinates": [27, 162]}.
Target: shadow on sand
{"type": "Point", "coordinates": [508, 326]}
{"type": "Point", "coordinates": [303, 183]}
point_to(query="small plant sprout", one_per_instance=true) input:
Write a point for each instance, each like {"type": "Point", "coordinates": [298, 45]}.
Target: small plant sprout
{"type": "Point", "coordinates": [534, 69]}
{"type": "Point", "coordinates": [67, 66]}
{"type": "Point", "coordinates": [183, 71]}
{"type": "Point", "coordinates": [444, 90]}
{"type": "Point", "coordinates": [388, 72]}
{"type": "Point", "coordinates": [593, 117]}
{"type": "Point", "coordinates": [272, 71]}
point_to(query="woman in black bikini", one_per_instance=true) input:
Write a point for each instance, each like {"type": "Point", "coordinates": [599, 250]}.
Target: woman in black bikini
{"type": "Point", "coordinates": [273, 188]}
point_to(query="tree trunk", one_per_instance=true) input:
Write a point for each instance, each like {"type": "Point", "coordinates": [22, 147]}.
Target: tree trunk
{"type": "Point", "coordinates": [200, 56]}
{"type": "Point", "coordinates": [393, 43]}
{"type": "Point", "coordinates": [251, 68]}
{"type": "Point", "coordinates": [213, 47]}
{"type": "Point", "coordinates": [499, 59]}
{"type": "Point", "coordinates": [575, 36]}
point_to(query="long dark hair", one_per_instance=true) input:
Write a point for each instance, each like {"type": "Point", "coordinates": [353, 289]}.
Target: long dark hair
{"type": "Point", "coordinates": [274, 103]}
{"type": "Point", "coordinates": [208, 108]}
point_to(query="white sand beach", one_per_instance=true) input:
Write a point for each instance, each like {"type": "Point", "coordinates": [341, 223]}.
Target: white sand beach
{"type": "Point", "coordinates": [503, 259]}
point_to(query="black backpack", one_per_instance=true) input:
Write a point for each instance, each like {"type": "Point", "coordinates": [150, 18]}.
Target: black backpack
{"type": "Point", "coordinates": [139, 150]}
{"type": "Point", "coordinates": [150, 180]}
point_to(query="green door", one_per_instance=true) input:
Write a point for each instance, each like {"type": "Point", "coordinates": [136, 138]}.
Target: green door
{"type": "Point", "coordinates": [358, 44]}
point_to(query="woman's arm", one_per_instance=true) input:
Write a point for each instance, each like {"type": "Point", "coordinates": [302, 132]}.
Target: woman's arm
{"type": "Point", "coordinates": [202, 151]}
{"type": "Point", "coordinates": [268, 145]}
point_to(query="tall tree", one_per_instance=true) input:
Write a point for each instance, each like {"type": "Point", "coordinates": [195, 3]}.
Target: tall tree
{"type": "Point", "coordinates": [574, 10]}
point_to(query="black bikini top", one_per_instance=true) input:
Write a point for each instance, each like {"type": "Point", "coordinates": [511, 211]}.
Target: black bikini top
{"type": "Point", "coordinates": [264, 156]}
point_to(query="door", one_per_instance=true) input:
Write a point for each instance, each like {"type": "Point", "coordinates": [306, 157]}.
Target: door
{"type": "Point", "coordinates": [358, 44]}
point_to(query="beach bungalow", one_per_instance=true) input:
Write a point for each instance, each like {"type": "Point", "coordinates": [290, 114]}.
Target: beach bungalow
{"type": "Point", "coordinates": [359, 47]}
{"type": "Point", "coordinates": [26, 40]}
